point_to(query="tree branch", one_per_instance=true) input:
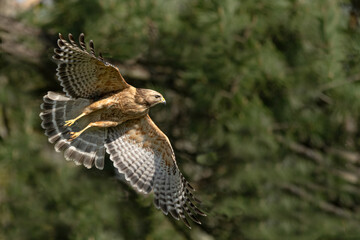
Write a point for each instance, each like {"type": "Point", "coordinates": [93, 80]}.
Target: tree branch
{"type": "Point", "coordinates": [301, 149]}
{"type": "Point", "coordinates": [335, 84]}
{"type": "Point", "coordinates": [327, 207]}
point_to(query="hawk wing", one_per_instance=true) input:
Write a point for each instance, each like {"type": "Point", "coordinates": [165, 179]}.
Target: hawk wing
{"type": "Point", "coordinates": [82, 74]}
{"type": "Point", "coordinates": [141, 151]}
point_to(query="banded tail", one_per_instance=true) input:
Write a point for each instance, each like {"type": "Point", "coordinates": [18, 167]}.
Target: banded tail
{"type": "Point", "coordinates": [87, 149]}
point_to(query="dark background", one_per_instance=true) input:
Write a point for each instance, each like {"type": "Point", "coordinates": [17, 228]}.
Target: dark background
{"type": "Point", "coordinates": [263, 113]}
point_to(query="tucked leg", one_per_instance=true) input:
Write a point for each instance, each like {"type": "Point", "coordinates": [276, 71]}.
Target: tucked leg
{"type": "Point", "coordinates": [103, 103]}
{"type": "Point", "coordinates": [74, 135]}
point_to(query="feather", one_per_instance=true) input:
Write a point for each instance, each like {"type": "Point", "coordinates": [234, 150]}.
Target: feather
{"type": "Point", "coordinates": [88, 147]}
{"type": "Point", "coordinates": [71, 39]}
{"type": "Point", "coordinates": [101, 57]}
{"type": "Point", "coordinates": [148, 163]}
{"type": "Point", "coordinates": [82, 74]}
{"type": "Point", "coordinates": [92, 47]}
{"type": "Point", "coordinates": [82, 42]}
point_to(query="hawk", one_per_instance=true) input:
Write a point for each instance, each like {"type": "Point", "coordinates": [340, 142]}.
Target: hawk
{"type": "Point", "coordinates": [101, 112]}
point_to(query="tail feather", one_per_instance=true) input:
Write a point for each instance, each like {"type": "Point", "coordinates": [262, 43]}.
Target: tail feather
{"type": "Point", "coordinates": [87, 149]}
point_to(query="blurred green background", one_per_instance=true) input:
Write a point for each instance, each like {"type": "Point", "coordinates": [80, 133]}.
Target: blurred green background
{"type": "Point", "coordinates": [263, 116]}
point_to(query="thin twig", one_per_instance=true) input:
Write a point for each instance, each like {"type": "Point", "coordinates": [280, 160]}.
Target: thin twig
{"type": "Point", "coordinates": [335, 84]}
{"type": "Point", "coordinates": [327, 207]}
{"type": "Point", "coordinates": [296, 147]}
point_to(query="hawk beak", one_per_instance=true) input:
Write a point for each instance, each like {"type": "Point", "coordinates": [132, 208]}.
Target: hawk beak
{"type": "Point", "coordinates": [163, 100]}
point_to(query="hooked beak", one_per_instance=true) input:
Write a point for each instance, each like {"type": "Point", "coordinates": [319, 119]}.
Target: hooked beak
{"type": "Point", "coordinates": [163, 100]}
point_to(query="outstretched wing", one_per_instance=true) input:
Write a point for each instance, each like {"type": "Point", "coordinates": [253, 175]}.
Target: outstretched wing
{"type": "Point", "coordinates": [143, 153]}
{"type": "Point", "coordinates": [82, 74]}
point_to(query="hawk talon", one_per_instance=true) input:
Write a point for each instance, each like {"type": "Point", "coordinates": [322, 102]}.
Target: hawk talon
{"type": "Point", "coordinates": [68, 123]}
{"type": "Point", "coordinates": [74, 135]}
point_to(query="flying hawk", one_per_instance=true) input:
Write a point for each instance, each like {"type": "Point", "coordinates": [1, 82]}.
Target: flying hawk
{"type": "Point", "coordinates": [101, 112]}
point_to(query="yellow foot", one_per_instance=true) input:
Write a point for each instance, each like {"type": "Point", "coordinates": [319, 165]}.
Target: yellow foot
{"type": "Point", "coordinates": [68, 123]}
{"type": "Point", "coordinates": [74, 135]}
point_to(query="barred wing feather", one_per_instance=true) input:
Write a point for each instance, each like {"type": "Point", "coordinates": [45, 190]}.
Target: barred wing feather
{"type": "Point", "coordinates": [82, 74]}
{"type": "Point", "coordinates": [143, 153]}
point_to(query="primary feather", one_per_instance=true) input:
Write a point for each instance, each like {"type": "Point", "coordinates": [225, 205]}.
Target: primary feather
{"type": "Point", "coordinates": [82, 74]}
{"type": "Point", "coordinates": [143, 153]}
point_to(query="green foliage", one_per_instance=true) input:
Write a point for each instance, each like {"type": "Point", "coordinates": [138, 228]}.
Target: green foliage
{"type": "Point", "coordinates": [263, 117]}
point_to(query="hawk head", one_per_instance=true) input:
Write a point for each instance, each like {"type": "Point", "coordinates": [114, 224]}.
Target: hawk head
{"type": "Point", "coordinates": [149, 97]}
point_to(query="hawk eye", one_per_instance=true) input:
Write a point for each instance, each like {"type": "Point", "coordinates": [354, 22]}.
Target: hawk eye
{"type": "Point", "coordinates": [157, 96]}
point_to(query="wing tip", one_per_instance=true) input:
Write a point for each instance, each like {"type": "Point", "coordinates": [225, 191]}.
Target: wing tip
{"type": "Point", "coordinates": [101, 56]}
{"type": "Point", "coordinates": [82, 41]}
{"type": "Point", "coordinates": [92, 47]}
{"type": "Point", "coordinates": [60, 43]}
{"type": "Point", "coordinates": [186, 222]}
{"type": "Point", "coordinates": [70, 36]}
